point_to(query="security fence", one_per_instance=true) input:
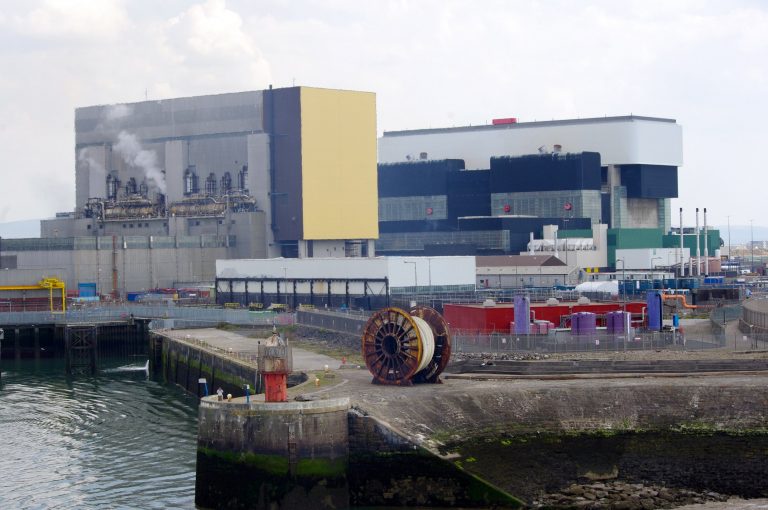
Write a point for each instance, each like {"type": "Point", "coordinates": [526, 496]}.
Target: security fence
{"type": "Point", "coordinates": [564, 341]}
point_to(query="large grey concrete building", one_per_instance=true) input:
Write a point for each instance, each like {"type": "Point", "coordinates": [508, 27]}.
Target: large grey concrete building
{"type": "Point", "coordinates": [271, 169]}
{"type": "Point", "coordinates": [164, 188]}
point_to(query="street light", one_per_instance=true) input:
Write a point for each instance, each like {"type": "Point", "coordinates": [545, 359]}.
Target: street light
{"type": "Point", "coordinates": [623, 279]}
{"type": "Point", "coordinates": [415, 276]}
{"type": "Point", "coordinates": [285, 283]}
{"type": "Point", "coordinates": [752, 246]}
{"type": "Point", "coordinates": [652, 259]}
{"type": "Point", "coordinates": [730, 257]}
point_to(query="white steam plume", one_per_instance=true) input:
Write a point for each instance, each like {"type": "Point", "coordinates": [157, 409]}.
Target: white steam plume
{"type": "Point", "coordinates": [117, 112]}
{"type": "Point", "coordinates": [86, 157]}
{"type": "Point", "coordinates": [130, 149]}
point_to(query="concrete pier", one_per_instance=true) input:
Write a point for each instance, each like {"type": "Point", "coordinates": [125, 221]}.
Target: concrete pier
{"type": "Point", "coordinates": [257, 455]}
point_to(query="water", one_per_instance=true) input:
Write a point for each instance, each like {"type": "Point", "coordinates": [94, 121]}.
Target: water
{"type": "Point", "coordinates": [110, 441]}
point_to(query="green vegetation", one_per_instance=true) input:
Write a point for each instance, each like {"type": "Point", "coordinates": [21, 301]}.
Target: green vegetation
{"type": "Point", "coordinates": [271, 464]}
{"type": "Point", "coordinates": [353, 356]}
{"type": "Point", "coordinates": [320, 468]}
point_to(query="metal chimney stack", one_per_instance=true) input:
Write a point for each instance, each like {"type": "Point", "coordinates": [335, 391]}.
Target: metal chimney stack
{"type": "Point", "coordinates": [698, 252]}
{"type": "Point", "coordinates": [706, 250]}
{"type": "Point", "coordinates": [682, 263]}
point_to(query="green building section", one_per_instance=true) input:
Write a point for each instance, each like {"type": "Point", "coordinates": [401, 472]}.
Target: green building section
{"type": "Point", "coordinates": [632, 238]}
{"type": "Point", "coordinates": [638, 238]}
{"type": "Point", "coordinates": [575, 233]}
{"type": "Point", "coordinates": [689, 241]}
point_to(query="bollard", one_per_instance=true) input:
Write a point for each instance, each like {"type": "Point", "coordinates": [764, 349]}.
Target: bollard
{"type": "Point", "coordinates": [229, 397]}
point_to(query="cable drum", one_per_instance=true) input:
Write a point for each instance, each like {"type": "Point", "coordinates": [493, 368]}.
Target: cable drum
{"type": "Point", "coordinates": [427, 343]}
{"type": "Point", "coordinates": [402, 348]}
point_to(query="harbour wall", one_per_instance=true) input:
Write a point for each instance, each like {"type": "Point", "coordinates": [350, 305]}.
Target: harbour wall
{"type": "Point", "coordinates": [185, 364]}
{"type": "Point", "coordinates": [321, 454]}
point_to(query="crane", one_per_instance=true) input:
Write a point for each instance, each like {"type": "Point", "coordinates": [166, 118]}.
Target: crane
{"type": "Point", "coordinates": [48, 283]}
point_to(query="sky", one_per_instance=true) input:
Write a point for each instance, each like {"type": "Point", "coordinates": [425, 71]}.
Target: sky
{"type": "Point", "coordinates": [432, 63]}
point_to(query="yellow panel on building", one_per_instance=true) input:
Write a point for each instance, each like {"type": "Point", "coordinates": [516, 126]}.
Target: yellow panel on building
{"type": "Point", "coordinates": [338, 153]}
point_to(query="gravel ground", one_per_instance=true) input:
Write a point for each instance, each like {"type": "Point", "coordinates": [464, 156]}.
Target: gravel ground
{"type": "Point", "coordinates": [731, 504]}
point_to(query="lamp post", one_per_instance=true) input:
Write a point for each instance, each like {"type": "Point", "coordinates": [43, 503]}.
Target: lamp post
{"type": "Point", "coordinates": [623, 279]}
{"type": "Point", "coordinates": [415, 276]}
{"type": "Point", "coordinates": [285, 283]}
{"type": "Point", "coordinates": [752, 247]}
{"type": "Point", "coordinates": [652, 259]}
{"type": "Point", "coordinates": [730, 258]}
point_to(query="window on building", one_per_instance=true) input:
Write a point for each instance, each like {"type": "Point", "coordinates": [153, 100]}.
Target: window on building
{"type": "Point", "coordinates": [210, 184]}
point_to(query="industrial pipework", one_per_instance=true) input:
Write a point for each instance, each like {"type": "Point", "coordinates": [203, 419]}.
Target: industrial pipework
{"type": "Point", "coordinates": [402, 348]}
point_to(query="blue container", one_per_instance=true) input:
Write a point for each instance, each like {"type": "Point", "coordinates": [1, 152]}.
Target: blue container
{"type": "Point", "coordinates": [522, 315]}
{"type": "Point", "coordinates": [86, 289]}
{"type": "Point", "coordinates": [654, 309]}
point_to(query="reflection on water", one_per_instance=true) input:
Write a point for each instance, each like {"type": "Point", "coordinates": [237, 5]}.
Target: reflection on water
{"type": "Point", "coordinates": [110, 441]}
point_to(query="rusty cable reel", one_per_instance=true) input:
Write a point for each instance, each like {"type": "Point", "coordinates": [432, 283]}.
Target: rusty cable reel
{"type": "Point", "coordinates": [402, 348]}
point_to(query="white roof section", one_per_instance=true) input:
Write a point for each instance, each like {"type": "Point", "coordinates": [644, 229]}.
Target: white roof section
{"type": "Point", "coordinates": [401, 271]}
{"type": "Point", "coordinates": [619, 140]}
{"type": "Point", "coordinates": [611, 287]}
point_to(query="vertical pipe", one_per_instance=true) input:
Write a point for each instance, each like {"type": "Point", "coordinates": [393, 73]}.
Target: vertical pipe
{"type": "Point", "coordinates": [682, 264]}
{"type": "Point", "coordinates": [698, 252]}
{"type": "Point", "coordinates": [706, 248]}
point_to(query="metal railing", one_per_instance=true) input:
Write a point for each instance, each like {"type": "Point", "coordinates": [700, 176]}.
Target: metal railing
{"type": "Point", "coordinates": [187, 316]}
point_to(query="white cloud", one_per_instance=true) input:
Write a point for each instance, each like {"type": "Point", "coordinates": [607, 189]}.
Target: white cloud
{"type": "Point", "coordinates": [211, 38]}
{"type": "Point", "coordinates": [75, 18]}
{"type": "Point", "coordinates": [431, 63]}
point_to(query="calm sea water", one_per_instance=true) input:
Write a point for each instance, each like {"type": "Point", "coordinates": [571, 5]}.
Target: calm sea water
{"type": "Point", "coordinates": [110, 441]}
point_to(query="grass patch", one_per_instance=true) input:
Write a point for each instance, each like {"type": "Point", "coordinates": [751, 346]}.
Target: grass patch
{"type": "Point", "coordinates": [353, 356]}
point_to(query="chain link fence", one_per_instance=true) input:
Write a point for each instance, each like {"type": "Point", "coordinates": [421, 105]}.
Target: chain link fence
{"type": "Point", "coordinates": [564, 342]}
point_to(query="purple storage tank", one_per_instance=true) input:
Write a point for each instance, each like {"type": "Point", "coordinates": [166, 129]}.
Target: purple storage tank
{"type": "Point", "coordinates": [654, 309]}
{"type": "Point", "coordinates": [522, 315]}
{"type": "Point", "coordinates": [583, 323]}
{"type": "Point", "coordinates": [616, 322]}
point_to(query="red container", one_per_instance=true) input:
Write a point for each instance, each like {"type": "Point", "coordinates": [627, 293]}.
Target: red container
{"type": "Point", "coordinates": [508, 120]}
{"type": "Point", "coordinates": [489, 319]}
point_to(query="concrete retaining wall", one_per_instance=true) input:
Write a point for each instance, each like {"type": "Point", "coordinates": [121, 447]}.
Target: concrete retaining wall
{"type": "Point", "coordinates": [272, 455]}
{"type": "Point", "coordinates": [185, 364]}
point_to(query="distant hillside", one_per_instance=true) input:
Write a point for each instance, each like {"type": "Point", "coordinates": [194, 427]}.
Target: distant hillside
{"type": "Point", "coordinates": [741, 234]}
{"type": "Point", "coordinates": [20, 229]}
